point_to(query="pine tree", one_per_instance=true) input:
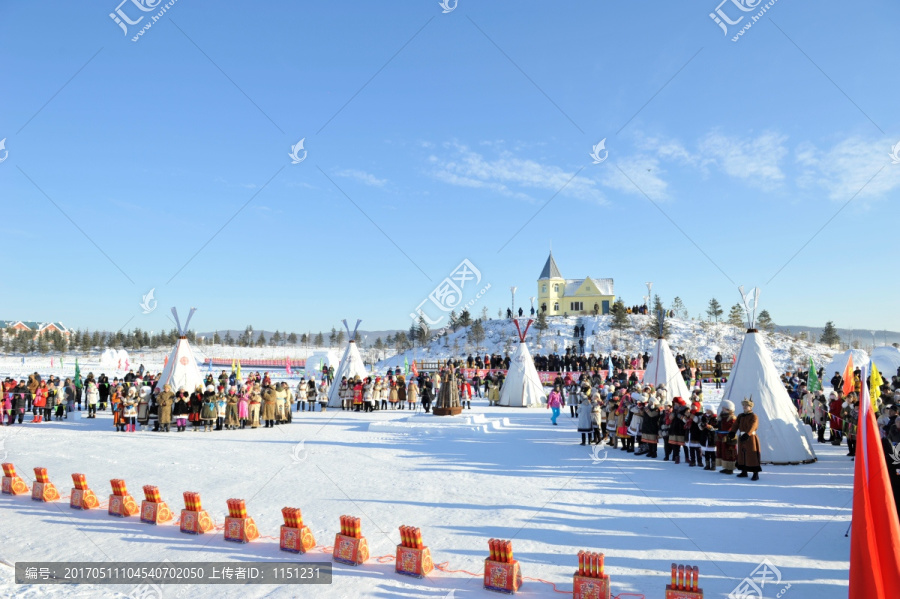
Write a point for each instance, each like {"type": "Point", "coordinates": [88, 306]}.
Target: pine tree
{"type": "Point", "coordinates": [830, 335]}
{"type": "Point", "coordinates": [379, 344]}
{"type": "Point", "coordinates": [454, 320]}
{"type": "Point", "coordinates": [340, 338]}
{"type": "Point", "coordinates": [764, 321]}
{"type": "Point", "coordinates": [275, 339]}
{"type": "Point", "coordinates": [658, 312]}
{"type": "Point", "coordinates": [736, 316]}
{"type": "Point", "coordinates": [541, 324]}
{"type": "Point", "coordinates": [678, 308]}
{"type": "Point", "coordinates": [423, 329]}
{"type": "Point", "coordinates": [465, 319]}
{"type": "Point", "coordinates": [320, 340]}
{"type": "Point", "coordinates": [304, 339]}
{"type": "Point", "coordinates": [620, 316]}
{"type": "Point", "coordinates": [292, 339]}
{"type": "Point", "coordinates": [261, 341]}
{"type": "Point", "coordinates": [332, 337]}
{"type": "Point", "coordinates": [476, 334]}
{"type": "Point", "coordinates": [217, 340]}
{"type": "Point", "coordinates": [714, 310]}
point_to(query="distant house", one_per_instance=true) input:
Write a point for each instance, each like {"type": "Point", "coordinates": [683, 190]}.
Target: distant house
{"type": "Point", "coordinates": [37, 328]}
{"type": "Point", "coordinates": [558, 296]}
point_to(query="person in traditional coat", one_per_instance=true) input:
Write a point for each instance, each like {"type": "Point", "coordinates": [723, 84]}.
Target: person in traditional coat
{"type": "Point", "coordinates": [612, 406]}
{"type": "Point", "coordinates": [208, 408]}
{"type": "Point", "coordinates": [677, 430]}
{"type": "Point", "coordinates": [232, 411]}
{"type": "Point", "coordinates": [269, 401]}
{"type": "Point", "coordinates": [821, 417]}
{"type": "Point", "coordinates": [465, 393]}
{"type": "Point", "coordinates": [255, 405]}
{"type": "Point", "coordinates": [726, 447]}
{"type": "Point", "coordinates": [401, 391]}
{"type": "Point", "coordinates": [281, 403]}
{"type": "Point", "coordinates": [493, 393]}
{"type": "Point", "coordinates": [129, 409]}
{"type": "Point", "coordinates": [181, 409]}
{"type": "Point", "coordinates": [585, 423]}
{"type": "Point", "coordinates": [834, 409]}
{"type": "Point", "coordinates": [748, 457]}
{"type": "Point", "coordinates": [221, 407]}
{"type": "Point", "coordinates": [427, 393]}
{"type": "Point", "coordinates": [650, 428]}
{"type": "Point", "coordinates": [849, 418]}
{"type": "Point", "coordinates": [693, 434]}
{"type": "Point", "coordinates": [244, 406]}
{"type": "Point", "coordinates": [596, 415]}
{"type": "Point", "coordinates": [708, 427]}
{"type": "Point", "coordinates": [302, 394]}
{"type": "Point", "coordinates": [195, 404]}
{"type": "Point", "coordinates": [358, 390]}
{"type": "Point", "coordinates": [164, 402]}
{"type": "Point", "coordinates": [393, 395]}
{"type": "Point", "coordinates": [412, 393]}
{"type": "Point", "coordinates": [93, 397]}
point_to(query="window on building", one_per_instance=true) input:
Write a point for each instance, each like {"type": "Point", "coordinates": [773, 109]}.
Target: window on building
{"type": "Point", "coordinates": [576, 306]}
{"type": "Point", "coordinates": [543, 289]}
{"type": "Point", "coordinates": [556, 289]}
{"type": "Point", "coordinates": [556, 306]}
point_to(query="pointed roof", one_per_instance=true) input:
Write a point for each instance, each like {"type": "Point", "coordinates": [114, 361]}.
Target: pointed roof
{"type": "Point", "coordinates": [550, 271]}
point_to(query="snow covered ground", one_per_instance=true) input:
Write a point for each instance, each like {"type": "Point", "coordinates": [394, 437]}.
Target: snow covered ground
{"type": "Point", "coordinates": [526, 480]}
{"type": "Point", "coordinates": [697, 339]}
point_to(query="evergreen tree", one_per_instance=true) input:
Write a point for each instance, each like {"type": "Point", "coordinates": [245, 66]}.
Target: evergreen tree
{"type": "Point", "coordinates": [217, 340]}
{"type": "Point", "coordinates": [541, 324]}
{"type": "Point", "coordinates": [736, 315]}
{"type": "Point", "coordinates": [339, 338]}
{"type": "Point", "coordinates": [465, 319]}
{"type": "Point", "coordinates": [658, 312]}
{"type": "Point", "coordinates": [714, 310]}
{"type": "Point", "coordinates": [304, 339]}
{"type": "Point", "coordinates": [320, 340]}
{"type": "Point", "coordinates": [276, 338]}
{"type": "Point", "coordinates": [476, 334]}
{"type": "Point", "coordinates": [261, 341]}
{"type": "Point", "coordinates": [229, 340]}
{"type": "Point", "coordinates": [678, 308]}
{"type": "Point", "coordinates": [423, 329]}
{"type": "Point", "coordinates": [764, 321]}
{"type": "Point", "coordinates": [379, 344]}
{"type": "Point", "coordinates": [332, 337]}
{"type": "Point", "coordinates": [484, 313]}
{"type": "Point", "coordinates": [454, 320]}
{"type": "Point", "coordinates": [830, 335]}
{"type": "Point", "coordinates": [42, 344]}
{"type": "Point", "coordinates": [620, 320]}
{"type": "Point", "coordinates": [292, 339]}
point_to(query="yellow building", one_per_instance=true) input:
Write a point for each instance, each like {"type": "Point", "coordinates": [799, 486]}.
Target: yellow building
{"type": "Point", "coordinates": [558, 296]}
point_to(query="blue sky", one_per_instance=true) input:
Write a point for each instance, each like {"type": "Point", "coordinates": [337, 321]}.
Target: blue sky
{"type": "Point", "coordinates": [434, 138]}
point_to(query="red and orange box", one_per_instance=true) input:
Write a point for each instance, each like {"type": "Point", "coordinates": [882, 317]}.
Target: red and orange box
{"type": "Point", "coordinates": [685, 583]}
{"type": "Point", "coordinates": [413, 557]}
{"type": "Point", "coordinates": [194, 519]}
{"type": "Point", "coordinates": [295, 537]}
{"type": "Point", "coordinates": [43, 489]}
{"type": "Point", "coordinates": [153, 509]}
{"type": "Point", "coordinates": [121, 504]}
{"type": "Point", "coordinates": [82, 497]}
{"type": "Point", "coordinates": [239, 528]}
{"type": "Point", "coordinates": [12, 483]}
{"type": "Point", "coordinates": [502, 573]}
{"type": "Point", "coordinates": [350, 547]}
{"type": "Point", "coordinates": [590, 581]}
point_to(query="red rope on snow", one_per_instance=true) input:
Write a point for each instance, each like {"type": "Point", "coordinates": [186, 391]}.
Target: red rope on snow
{"type": "Point", "coordinates": [556, 590]}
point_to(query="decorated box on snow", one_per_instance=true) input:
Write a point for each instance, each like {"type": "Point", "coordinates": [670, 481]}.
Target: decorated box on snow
{"type": "Point", "coordinates": [350, 547]}
{"type": "Point", "coordinates": [590, 581]}
{"type": "Point", "coordinates": [194, 519]}
{"type": "Point", "coordinates": [43, 489]}
{"type": "Point", "coordinates": [413, 557]}
{"type": "Point", "coordinates": [121, 504]}
{"type": "Point", "coordinates": [685, 583]}
{"type": "Point", "coordinates": [153, 509]}
{"type": "Point", "coordinates": [295, 537]}
{"type": "Point", "coordinates": [501, 571]}
{"type": "Point", "coordinates": [82, 497]}
{"type": "Point", "coordinates": [239, 528]}
{"type": "Point", "coordinates": [12, 483]}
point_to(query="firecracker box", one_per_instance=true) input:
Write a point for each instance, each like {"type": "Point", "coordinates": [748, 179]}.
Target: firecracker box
{"type": "Point", "coordinates": [195, 522]}
{"type": "Point", "coordinates": [411, 561]}
{"type": "Point", "coordinates": [155, 512]}
{"type": "Point", "coordinates": [296, 540]}
{"type": "Point", "coordinates": [12, 483]}
{"type": "Point", "coordinates": [589, 587]}
{"type": "Point", "coordinates": [240, 530]}
{"type": "Point", "coordinates": [502, 577]}
{"type": "Point", "coordinates": [352, 551]}
{"type": "Point", "coordinates": [83, 499]}
{"type": "Point", "coordinates": [683, 593]}
{"type": "Point", "coordinates": [44, 492]}
{"type": "Point", "coordinates": [122, 506]}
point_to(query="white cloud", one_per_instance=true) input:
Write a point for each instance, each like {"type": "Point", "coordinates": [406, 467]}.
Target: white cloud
{"type": "Point", "coordinates": [511, 176]}
{"type": "Point", "coordinates": [362, 177]}
{"type": "Point", "coordinates": [844, 169]}
{"type": "Point", "coordinates": [755, 160]}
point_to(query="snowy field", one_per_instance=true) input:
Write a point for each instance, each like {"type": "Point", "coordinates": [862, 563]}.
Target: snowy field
{"type": "Point", "coordinates": [526, 480]}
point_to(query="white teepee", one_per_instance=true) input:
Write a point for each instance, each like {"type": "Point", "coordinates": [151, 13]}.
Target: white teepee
{"type": "Point", "coordinates": [351, 365]}
{"type": "Point", "coordinates": [522, 387]}
{"type": "Point", "coordinates": [181, 370]}
{"type": "Point", "coordinates": [783, 438]}
{"type": "Point", "coordinates": [663, 370]}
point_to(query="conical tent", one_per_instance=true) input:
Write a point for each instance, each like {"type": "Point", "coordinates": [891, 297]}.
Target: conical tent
{"type": "Point", "coordinates": [522, 387]}
{"type": "Point", "coordinates": [663, 370]}
{"type": "Point", "coordinates": [783, 438]}
{"type": "Point", "coordinates": [181, 369]}
{"type": "Point", "coordinates": [351, 365]}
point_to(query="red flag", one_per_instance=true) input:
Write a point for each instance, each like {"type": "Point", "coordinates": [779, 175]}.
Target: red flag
{"type": "Point", "coordinates": [848, 377]}
{"type": "Point", "coordinates": [413, 368]}
{"type": "Point", "coordinates": [875, 531]}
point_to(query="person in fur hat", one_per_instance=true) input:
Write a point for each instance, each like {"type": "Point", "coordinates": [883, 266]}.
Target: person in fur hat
{"type": "Point", "coordinates": [302, 394]}
{"type": "Point", "coordinates": [231, 409]}
{"type": "Point", "coordinates": [748, 458]}
{"type": "Point", "coordinates": [693, 435]}
{"type": "Point", "coordinates": [368, 394]}
{"type": "Point", "coordinates": [221, 407]}
{"type": "Point", "coordinates": [612, 406]}
{"type": "Point", "coordinates": [650, 428]}
{"type": "Point", "coordinates": [269, 406]}
{"type": "Point", "coordinates": [596, 415]}
{"type": "Point", "coordinates": [677, 433]}
{"type": "Point", "coordinates": [255, 404]}
{"type": "Point", "coordinates": [708, 427]}
{"type": "Point", "coordinates": [180, 410]}
{"type": "Point", "coordinates": [726, 448]}
{"type": "Point", "coordinates": [412, 393]}
{"type": "Point", "coordinates": [585, 423]}
{"type": "Point", "coordinates": [208, 408]}
{"type": "Point", "coordinates": [165, 401]}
